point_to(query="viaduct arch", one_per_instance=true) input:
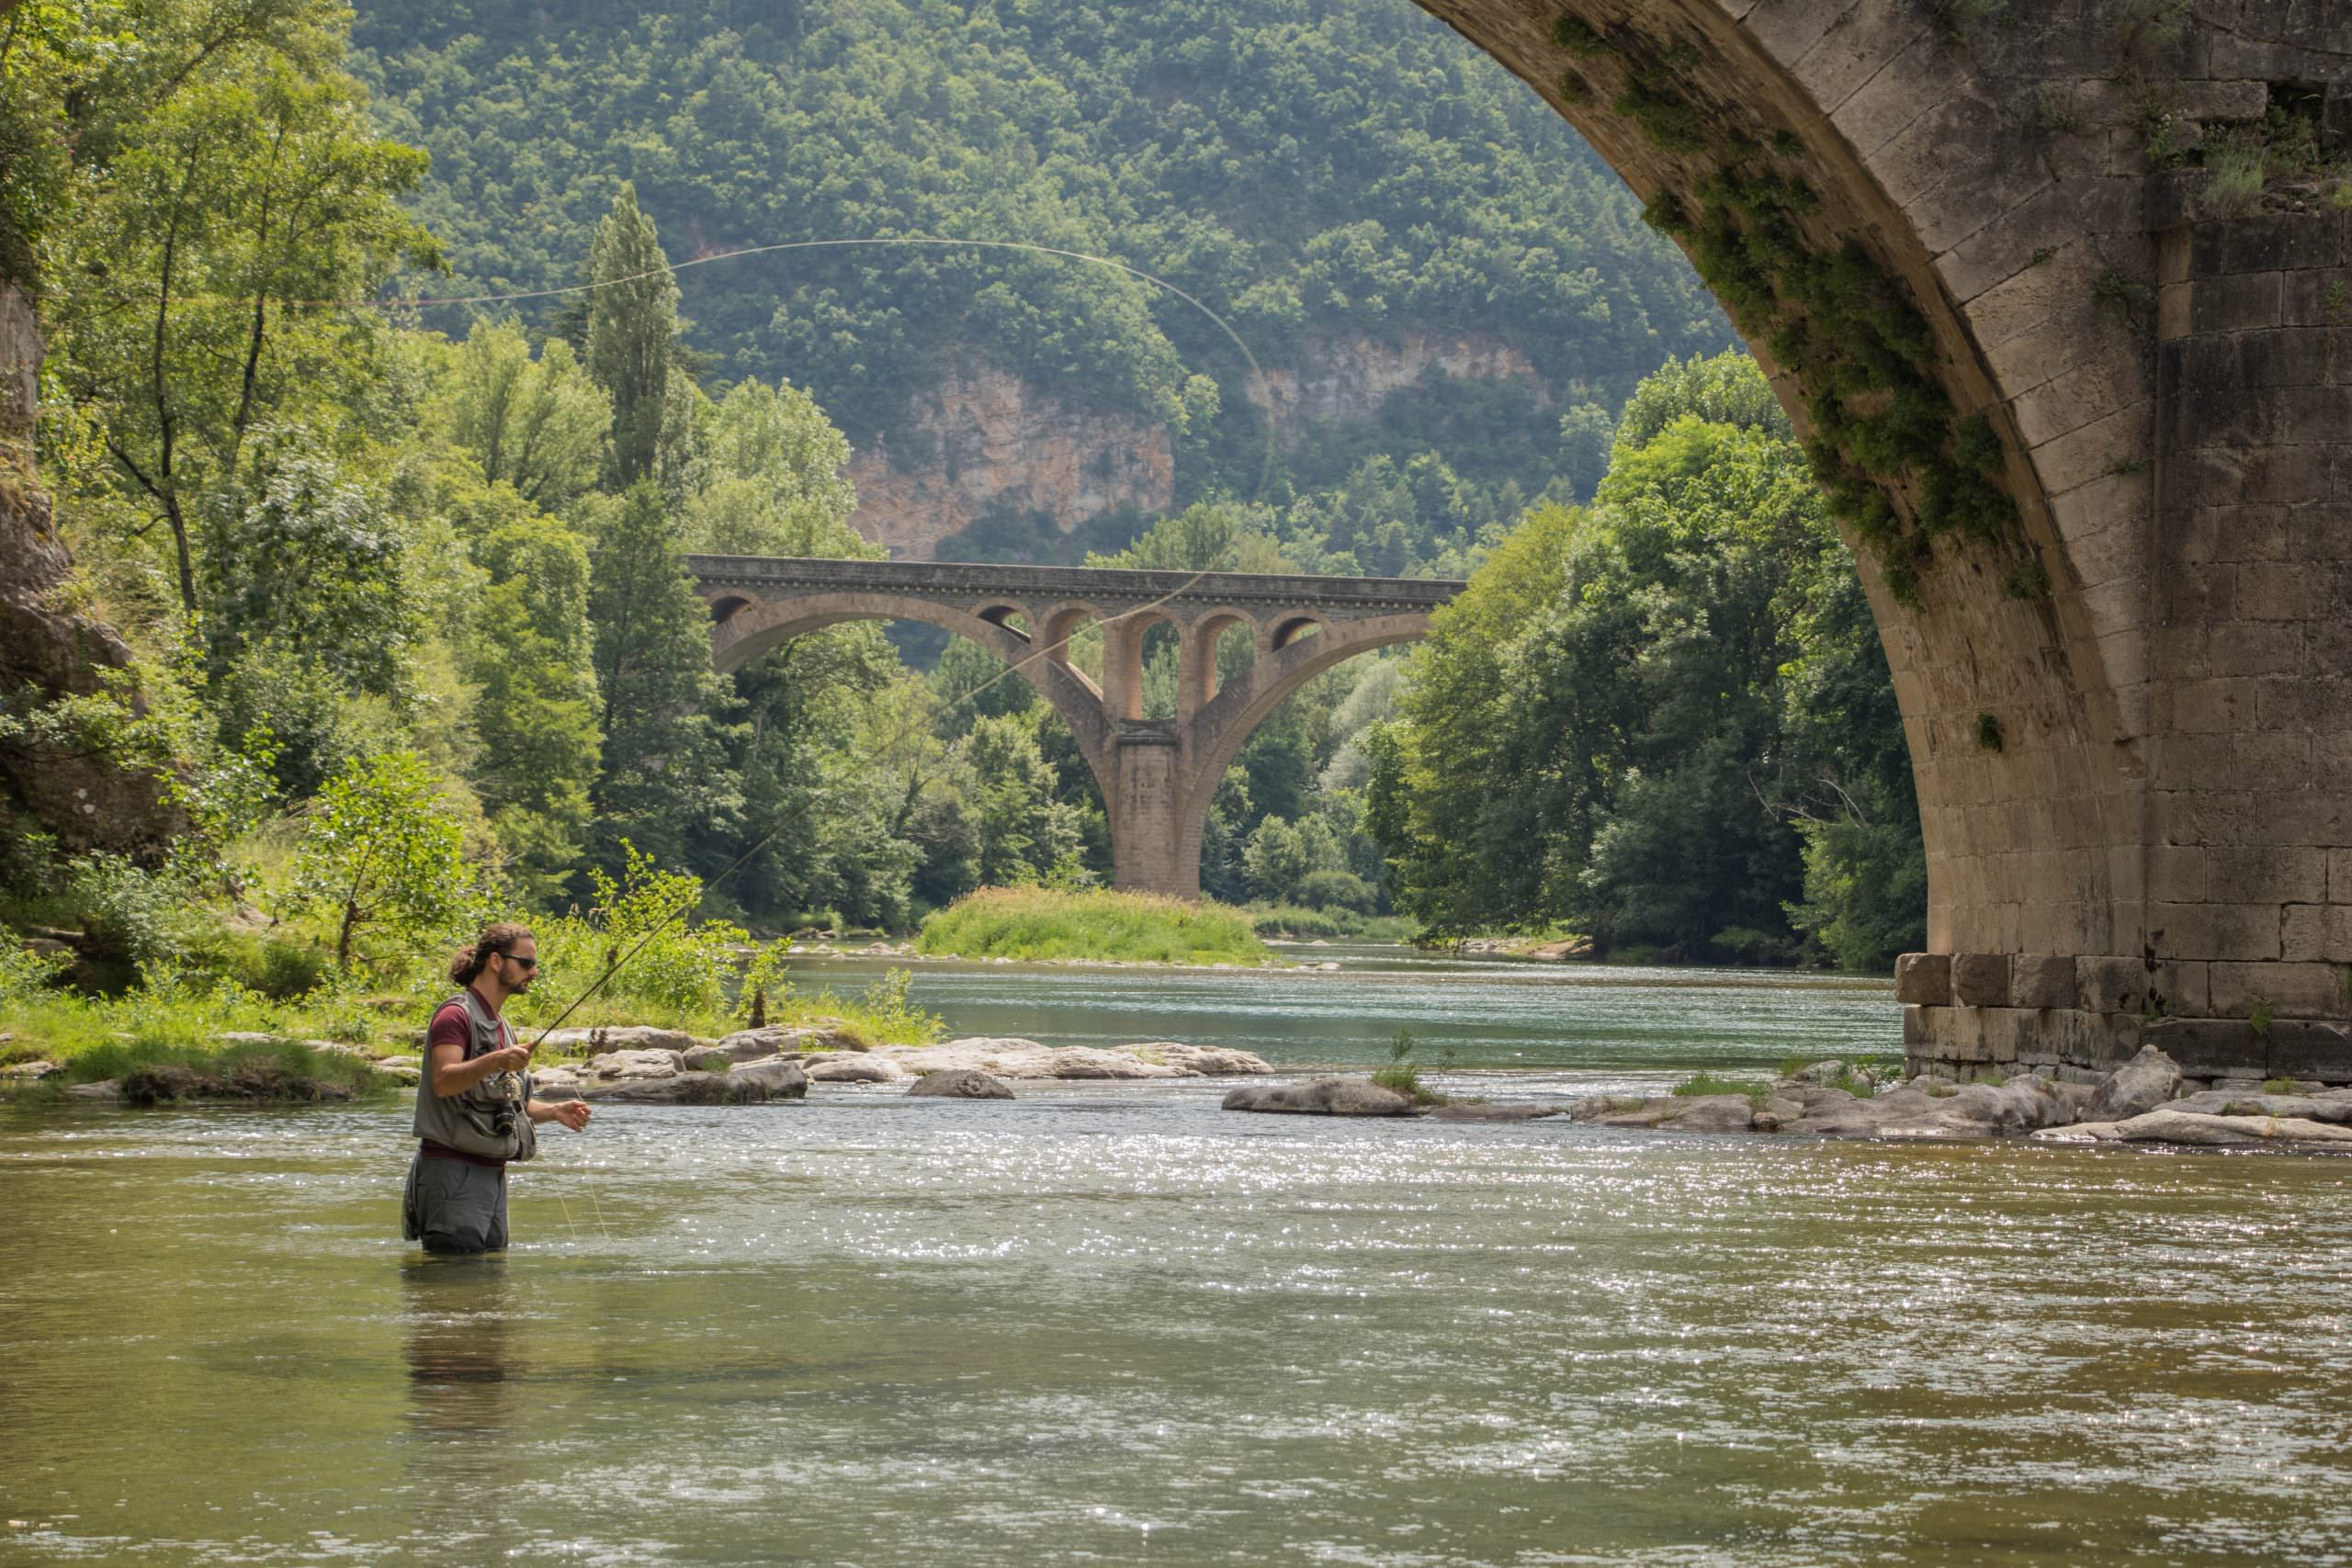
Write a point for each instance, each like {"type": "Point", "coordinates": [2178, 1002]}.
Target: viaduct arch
{"type": "Point", "coordinates": [1157, 776]}
{"type": "Point", "coordinates": [2092, 440]}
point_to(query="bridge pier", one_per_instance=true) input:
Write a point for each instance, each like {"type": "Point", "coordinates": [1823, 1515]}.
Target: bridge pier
{"type": "Point", "coordinates": [1144, 798]}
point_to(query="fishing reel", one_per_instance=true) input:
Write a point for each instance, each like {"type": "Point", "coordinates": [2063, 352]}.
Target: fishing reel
{"type": "Point", "coordinates": [504, 1090]}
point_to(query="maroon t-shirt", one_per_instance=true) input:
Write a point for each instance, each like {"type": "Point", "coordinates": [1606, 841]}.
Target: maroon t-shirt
{"type": "Point", "coordinates": [451, 1026]}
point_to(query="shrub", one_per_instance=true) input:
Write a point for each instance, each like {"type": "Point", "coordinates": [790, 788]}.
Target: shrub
{"type": "Point", "coordinates": [1337, 889]}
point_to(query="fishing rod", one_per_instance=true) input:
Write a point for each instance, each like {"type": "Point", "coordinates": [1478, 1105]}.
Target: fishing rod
{"type": "Point", "coordinates": [614, 964]}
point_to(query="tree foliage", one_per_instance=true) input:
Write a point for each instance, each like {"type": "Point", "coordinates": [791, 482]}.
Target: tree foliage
{"type": "Point", "coordinates": [1665, 720]}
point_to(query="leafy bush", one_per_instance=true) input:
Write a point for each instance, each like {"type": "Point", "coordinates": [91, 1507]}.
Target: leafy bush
{"type": "Point", "coordinates": [1337, 889]}
{"type": "Point", "coordinates": [25, 973]}
{"type": "Point", "coordinates": [680, 969]}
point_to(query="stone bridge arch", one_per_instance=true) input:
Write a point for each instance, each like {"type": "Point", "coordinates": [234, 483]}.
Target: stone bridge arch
{"type": "Point", "coordinates": [1157, 776]}
{"type": "Point", "coordinates": [2089, 440]}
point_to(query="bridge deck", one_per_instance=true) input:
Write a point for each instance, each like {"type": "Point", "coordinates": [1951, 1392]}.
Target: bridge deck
{"type": "Point", "coordinates": [1046, 584]}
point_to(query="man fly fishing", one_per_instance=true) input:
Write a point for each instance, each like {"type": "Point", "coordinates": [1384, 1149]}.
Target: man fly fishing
{"type": "Point", "coordinates": [474, 1109]}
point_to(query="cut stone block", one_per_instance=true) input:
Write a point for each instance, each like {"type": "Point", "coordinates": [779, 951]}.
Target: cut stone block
{"type": "Point", "coordinates": [1924, 978]}
{"type": "Point", "coordinates": [1981, 979]}
{"type": "Point", "coordinates": [2041, 980]}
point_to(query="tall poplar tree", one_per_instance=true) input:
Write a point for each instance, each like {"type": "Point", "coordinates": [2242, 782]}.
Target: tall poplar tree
{"type": "Point", "coordinates": [665, 774]}
{"type": "Point", "coordinates": [632, 323]}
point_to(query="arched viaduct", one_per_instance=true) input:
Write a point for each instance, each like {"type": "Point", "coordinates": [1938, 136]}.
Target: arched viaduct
{"type": "Point", "coordinates": [1157, 776]}
{"type": "Point", "coordinates": [2089, 427]}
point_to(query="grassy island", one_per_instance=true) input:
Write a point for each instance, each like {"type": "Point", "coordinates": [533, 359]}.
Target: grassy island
{"type": "Point", "coordinates": [1045, 923]}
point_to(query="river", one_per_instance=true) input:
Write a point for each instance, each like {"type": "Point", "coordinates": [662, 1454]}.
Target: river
{"type": "Point", "coordinates": [1113, 1324]}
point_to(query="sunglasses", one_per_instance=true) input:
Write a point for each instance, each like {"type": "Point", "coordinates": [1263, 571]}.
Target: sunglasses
{"type": "Point", "coordinates": [520, 962]}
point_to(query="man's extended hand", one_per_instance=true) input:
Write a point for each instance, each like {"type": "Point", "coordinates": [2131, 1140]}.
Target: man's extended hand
{"type": "Point", "coordinates": [573, 1113]}
{"type": "Point", "coordinates": [506, 1059]}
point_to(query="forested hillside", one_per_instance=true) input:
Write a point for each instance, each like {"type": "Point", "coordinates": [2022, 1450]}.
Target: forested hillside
{"type": "Point", "coordinates": [1316, 173]}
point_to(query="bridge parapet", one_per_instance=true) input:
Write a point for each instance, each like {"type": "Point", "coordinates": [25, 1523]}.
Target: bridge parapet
{"type": "Point", "coordinates": [1184, 594]}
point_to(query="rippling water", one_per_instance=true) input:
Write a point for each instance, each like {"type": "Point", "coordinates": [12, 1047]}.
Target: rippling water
{"type": "Point", "coordinates": [1111, 1323]}
{"type": "Point", "coordinates": [1578, 1019]}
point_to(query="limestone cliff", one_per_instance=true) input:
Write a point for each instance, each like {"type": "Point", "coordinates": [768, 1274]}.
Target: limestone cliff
{"type": "Point", "coordinates": [1338, 380]}
{"type": "Point", "coordinates": [983, 437]}
{"type": "Point", "coordinates": [48, 650]}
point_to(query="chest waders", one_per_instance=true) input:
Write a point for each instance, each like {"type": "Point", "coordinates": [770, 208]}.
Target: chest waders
{"type": "Point", "coordinates": [457, 1205]}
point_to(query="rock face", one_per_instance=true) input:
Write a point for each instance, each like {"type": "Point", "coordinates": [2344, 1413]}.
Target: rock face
{"type": "Point", "coordinates": [48, 650]}
{"type": "Point", "coordinates": [961, 1083]}
{"type": "Point", "coordinates": [1345, 379]}
{"type": "Point", "coordinates": [1016, 1058]}
{"type": "Point", "coordinates": [983, 439]}
{"type": "Point", "coordinates": [1321, 1097]}
{"type": "Point", "coordinates": [980, 438]}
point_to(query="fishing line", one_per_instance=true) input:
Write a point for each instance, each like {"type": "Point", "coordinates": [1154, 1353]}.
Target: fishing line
{"type": "Point", "coordinates": [1020, 667]}
{"type": "Point", "coordinates": [1257, 375]}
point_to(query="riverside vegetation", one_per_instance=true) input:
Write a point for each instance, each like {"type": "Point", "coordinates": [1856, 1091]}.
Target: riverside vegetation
{"type": "Point", "coordinates": [412, 640]}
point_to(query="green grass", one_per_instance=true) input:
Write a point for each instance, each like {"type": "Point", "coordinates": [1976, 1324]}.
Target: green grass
{"type": "Point", "coordinates": [1045, 923]}
{"type": "Point", "coordinates": [177, 1020]}
{"type": "Point", "coordinates": [1699, 1084]}
{"type": "Point", "coordinates": [1294, 921]}
{"type": "Point", "coordinates": [2282, 1086]}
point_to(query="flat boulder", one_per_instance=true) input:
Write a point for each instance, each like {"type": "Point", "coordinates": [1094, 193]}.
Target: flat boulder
{"type": "Point", "coordinates": [776, 1040]}
{"type": "Point", "coordinates": [1486, 1111]}
{"type": "Point", "coordinates": [853, 1066]}
{"type": "Point", "coordinates": [2306, 1107]}
{"type": "Point", "coordinates": [2167, 1125]}
{"type": "Point", "coordinates": [1200, 1061]}
{"type": "Point", "coordinates": [104, 1088]}
{"type": "Point", "coordinates": [1016, 1059]}
{"type": "Point", "coordinates": [1713, 1113]}
{"type": "Point", "coordinates": [648, 1063]}
{"type": "Point", "coordinates": [2138, 1087]}
{"type": "Point", "coordinates": [961, 1083]}
{"type": "Point", "coordinates": [617, 1039]}
{"type": "Point", "coordinates": [1321, 1097]}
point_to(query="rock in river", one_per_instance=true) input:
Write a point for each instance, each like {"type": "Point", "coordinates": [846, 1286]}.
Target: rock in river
{"type": "Point", "coordinates": [637, 1064]}
{"type": "Point", "coordinates": [1017, 1059]}
{"type": "Point", "coordinates": [2136, 1088]}
{"type": "Point", "coordinates": [961, 1083]}
{"type": "Point", "coordinates": [853, 1066]}
{"type": "Point", "coordinates": [1488, 1110]}
{"type": "Point", "coordinates": [1321, 1097]}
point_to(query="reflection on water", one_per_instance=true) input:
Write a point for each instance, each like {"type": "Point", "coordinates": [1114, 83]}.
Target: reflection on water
{"type": "Point", "coordinates": [464, 1401]}
{"type": "Point", "coordinates": [1489, 1012]}
{"type": "Point", "coordinates": [1114, 1324]}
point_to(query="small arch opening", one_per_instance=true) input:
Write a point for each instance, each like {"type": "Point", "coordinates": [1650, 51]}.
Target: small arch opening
{"type": "Point", "coordinates": [725, 608]}
{"type": "Point", "coordinates": [1009, 617]}
{"type": "Point", "coordinates": [1294, 629]}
